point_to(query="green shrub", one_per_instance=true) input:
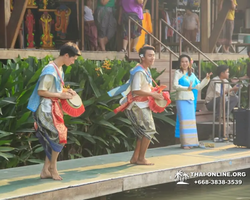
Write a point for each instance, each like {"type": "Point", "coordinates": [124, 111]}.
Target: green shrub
{"type": "Point", "coordinates": [98, 131]}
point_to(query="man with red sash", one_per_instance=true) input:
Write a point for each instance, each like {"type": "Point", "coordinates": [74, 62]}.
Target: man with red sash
{"type": "Point", "coordinates": [49, 123]}
{"type": "Point", "coordinates": [135, 103]}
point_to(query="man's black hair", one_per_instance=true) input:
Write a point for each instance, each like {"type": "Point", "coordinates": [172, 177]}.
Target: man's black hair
{"type": "Point", "coordinates": [221, 69]}
{"type": "Point", "coordinates": [143, 50]}
{"type": "Point", "coordinates": [71, 49]}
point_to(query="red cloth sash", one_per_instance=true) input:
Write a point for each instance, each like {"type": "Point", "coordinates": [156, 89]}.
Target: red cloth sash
{"type": "Point", "coordinates": [130, 99]}
{"type": "Point", "coordinates": [58, 121]}
{"type": "Point", "coordinates": [57, 114]}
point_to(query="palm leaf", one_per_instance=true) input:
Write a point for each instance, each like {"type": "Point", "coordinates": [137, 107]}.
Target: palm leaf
{"type": "Point", "coordinates": [109, 125]}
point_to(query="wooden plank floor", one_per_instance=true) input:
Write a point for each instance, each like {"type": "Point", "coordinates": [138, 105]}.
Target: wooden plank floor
{"type": "Point", "coordinates": [102, 175]}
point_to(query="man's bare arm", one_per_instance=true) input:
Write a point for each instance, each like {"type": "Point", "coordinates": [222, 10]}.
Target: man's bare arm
{"type": "Point", "coordinates": [47, 94]}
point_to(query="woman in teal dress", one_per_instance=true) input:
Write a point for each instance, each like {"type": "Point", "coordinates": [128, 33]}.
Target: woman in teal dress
{"type": "Point", "coordinates": [187, 85]}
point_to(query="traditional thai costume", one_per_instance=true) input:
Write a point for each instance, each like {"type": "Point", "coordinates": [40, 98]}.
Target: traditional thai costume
{"type": "Point", "coordinates": [50, 130]}
{"type": "Point", "coordinates": [136, 108]}
{"type": "Point", "coordinates": [186, 106]}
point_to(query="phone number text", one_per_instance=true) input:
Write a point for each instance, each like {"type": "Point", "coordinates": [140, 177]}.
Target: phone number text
{"type": "Point", "coordinates": [218, 182]}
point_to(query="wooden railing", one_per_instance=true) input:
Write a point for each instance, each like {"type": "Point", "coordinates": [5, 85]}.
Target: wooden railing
{"type": "Point", "coordinates": [150, 41]}
{"type": "Point", "coordinates": [171, 53]}
{"type": "Point", "coordinates": [180, 46]}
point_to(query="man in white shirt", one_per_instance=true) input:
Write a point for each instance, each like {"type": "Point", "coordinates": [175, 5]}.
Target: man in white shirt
{"type": "Point", "coordinates": [135, 104]}
{"type": "Point", "coordinates": [223, 74]}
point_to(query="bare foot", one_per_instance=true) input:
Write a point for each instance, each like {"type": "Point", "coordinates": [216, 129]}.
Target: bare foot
{"type": "Point", "coordinates": [186, 147]}
{"type": "Point", "coordinates": [45, 174]}
{"type": "Point", "coordinates": [54, 174]}
{"type": "Point", "coordinates": [144, 162]}
{"type": "Point", "coordinates": [133, 161]}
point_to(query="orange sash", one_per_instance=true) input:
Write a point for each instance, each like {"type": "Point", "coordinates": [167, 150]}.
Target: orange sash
{"type": "Point", "coordinates": [130, 99]}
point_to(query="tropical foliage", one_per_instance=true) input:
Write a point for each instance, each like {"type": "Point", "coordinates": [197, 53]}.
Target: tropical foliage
{"type": "Point", "coordinates": [98, 131]}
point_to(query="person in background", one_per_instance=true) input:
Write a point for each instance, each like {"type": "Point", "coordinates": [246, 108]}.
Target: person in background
{"type": "Point", "coordinates": [228, 29]}
{"type": "Point", "coordinates": [133, 9]}
{"type": "Point", "coordinates": [190, 27]}
{"type": "Point", "coordinates": [222, 75]}
{"type": "Point", "coordinates": [90, 29]}
{"type": "Point", "coordinates": [185, 82]}
{"type": "Point", "coordinates": [166, 32]}
{"type": "Point", "coordinates": [105, 21]}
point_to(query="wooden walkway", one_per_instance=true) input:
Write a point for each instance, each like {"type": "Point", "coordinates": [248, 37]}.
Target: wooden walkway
{"type": "Point", "coordinates": [103, 175]}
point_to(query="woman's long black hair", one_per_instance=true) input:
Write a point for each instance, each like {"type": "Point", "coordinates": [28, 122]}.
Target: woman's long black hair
{"type": "Point", "coordinates": [189, 68]}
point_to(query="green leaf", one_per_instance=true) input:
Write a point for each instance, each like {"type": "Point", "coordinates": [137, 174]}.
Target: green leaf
{"type": "Point", "coordinates": [89, 102]}
{"type": "Point", "coordinates": [23, 119]}
{"type": "Point", "coordinates": [68, 70]}
{"type": "Point", "coordinates": [4, 134]}
{"type": "Point", "coordinates": [100, 139]}
{"type": "Point", "coordinates": [124, 120]}
{"type": "Point", "coordinates": [93, 85]}
{"type": "Point", "coordinates": [5, 77]}
{"type": "Point", "coordinates": [90, 153]}
{"type": "Point", "coordinates": [39, 149]}
{"type": "Point", "coordinates": [35, 76]}
{"type": "Point", "coordinates": [75, 140]}
{"type": "Point", "coordinates": [8, 118]}
{"type": "Point", "coordinates": [5, 156]}
{"type": "Point", "coordinates": [6, 149]}
{"type": "Point", "coordinates": [37, 161]}
{"type": "Point", "coordinates": [26, 130]}
{"type": "Point", "coordinates": [24, 97]}
{"type": "Point", "coordinates": [162, 117]}
{"type": "Point", "coordinates": [104, 108]}
{"type": "Point", "coordinates": [7, 101]}
{"type": "Point", "coordinates": [109, 125]}
{"type": "Point", "coordinates": [85, 135]}
{"type": "Point", "coordinates": [77, 121]}
{"type": "Point", "coordinates": [116, 139]}
{"type": "Point", "coordinates": [108, 150]}
{"type": "Point", "coordinates": [5, 142]}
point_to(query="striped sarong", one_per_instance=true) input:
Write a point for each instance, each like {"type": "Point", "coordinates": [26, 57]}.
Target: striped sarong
{"type": "Point", "coordinates": [142, 121]}
{"type": "Point", "coordinates": [47, 133]}
{"type": "Point", "coordinates": [187, 127]}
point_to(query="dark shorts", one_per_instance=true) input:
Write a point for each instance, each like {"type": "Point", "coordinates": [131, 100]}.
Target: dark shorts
{"type": "Point", "coordinates": [90, 32]}
{"type": "Point", "coordinates": [227, 33]}
{"type": "Point", "coordinates": [135, 30]}
{"type": "Point", "coordinates": [105, 22]}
